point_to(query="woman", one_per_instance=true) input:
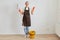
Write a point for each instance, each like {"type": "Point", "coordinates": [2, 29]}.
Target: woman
{"type": "Point", "coordinates": [26, 17]}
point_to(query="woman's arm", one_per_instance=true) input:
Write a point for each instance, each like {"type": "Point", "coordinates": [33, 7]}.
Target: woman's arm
{"type": "Point", "coordinates": [21, 11]}
{"type": "Point", "coordinates": [32, 10]}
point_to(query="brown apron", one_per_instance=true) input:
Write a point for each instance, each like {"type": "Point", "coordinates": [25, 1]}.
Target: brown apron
{"type": "Point", "coordinates": [26, 18]}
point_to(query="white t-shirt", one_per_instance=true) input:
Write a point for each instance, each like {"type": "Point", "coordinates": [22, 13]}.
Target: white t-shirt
{"type": "Point", "coordinates": [26, 8]}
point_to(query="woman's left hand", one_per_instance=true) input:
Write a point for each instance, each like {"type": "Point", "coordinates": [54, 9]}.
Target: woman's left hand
{"type": "Point", "coordinates": [32, 10]}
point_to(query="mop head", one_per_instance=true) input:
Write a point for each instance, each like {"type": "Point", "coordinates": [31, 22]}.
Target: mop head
{"type": "Point", "coordinates": [32, 34]}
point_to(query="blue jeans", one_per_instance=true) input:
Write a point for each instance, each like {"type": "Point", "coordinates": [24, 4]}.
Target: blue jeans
{"type": "Point", "coordinates": [26, 30]}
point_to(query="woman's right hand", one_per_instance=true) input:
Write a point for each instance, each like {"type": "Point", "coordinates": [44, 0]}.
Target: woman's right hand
{"type": "Point", "coordinates": [21, 11]}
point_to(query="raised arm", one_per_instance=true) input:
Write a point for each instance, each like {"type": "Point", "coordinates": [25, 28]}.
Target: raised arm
{"type": "Point", "coordinates": [32, 10]}
{"type": "Point", "coordinates": [20, 10]}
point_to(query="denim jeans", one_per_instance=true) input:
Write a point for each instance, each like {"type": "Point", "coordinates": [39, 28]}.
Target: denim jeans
{"type": "Point", "coordinates": [26, 30]}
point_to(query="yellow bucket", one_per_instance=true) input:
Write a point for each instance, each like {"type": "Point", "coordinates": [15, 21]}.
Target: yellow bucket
{"type": "Point", "coordinates": [32, 34]}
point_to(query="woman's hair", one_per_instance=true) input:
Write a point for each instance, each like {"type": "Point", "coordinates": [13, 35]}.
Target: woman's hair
{"type": "Point", "coordinates": [26, 2]}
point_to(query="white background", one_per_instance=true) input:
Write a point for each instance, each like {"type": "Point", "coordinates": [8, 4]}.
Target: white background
{"type": "Point", "coordinates": [43, 20]}
{"type": "Point", "coordinates": [58, 19]}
